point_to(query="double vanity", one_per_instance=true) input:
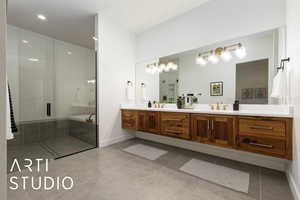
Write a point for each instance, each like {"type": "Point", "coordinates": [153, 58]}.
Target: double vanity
{"type": "Point", "coordinates": [240, 71]}
{"type": "Point", "coordinates": [266, 133]}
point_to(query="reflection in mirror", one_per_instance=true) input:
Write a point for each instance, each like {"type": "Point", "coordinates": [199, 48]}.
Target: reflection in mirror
{"type": "Point", "coordinates": [240, 69]}
{"type": "Point", "coordinates": [252, 82]}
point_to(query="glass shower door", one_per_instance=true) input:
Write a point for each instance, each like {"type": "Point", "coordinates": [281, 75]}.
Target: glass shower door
{"type": "Point", "coordinates": [53, 87]}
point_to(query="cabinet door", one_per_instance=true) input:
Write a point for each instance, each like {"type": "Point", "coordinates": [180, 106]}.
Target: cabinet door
{"type": "Point", "coordinates": [222, 130]}
{"type": "Point", "coordinates": [142, 121]}
{"type": "Point", "coordinates": [153, 122]}
{"type": "Point", "coordinates": [129, 119]}
{"type": "Point", "coordinates": [201, 128]}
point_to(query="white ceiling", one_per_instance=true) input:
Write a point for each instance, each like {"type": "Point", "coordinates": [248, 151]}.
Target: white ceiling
{"type": "Point", "coordinates": [72, 20]}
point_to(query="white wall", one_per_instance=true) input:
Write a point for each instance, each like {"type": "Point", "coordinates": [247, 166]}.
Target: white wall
{"type": "Point", "coordinates": [293, 50]}
{"type": "Point", "coordinates": [215, 21]}
{"type": "Point", "coordinates": [3, 101]}
{"type": "Point", "coordinates": [116, 65]}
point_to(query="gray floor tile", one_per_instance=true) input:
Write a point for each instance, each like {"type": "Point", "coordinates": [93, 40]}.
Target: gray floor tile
{"type": "Point", "coordinates": [275, 185]}
{"type": "Point", "coordinates": [111, 174]}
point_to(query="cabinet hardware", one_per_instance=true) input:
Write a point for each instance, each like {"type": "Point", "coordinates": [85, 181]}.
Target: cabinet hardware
{"type": "Point", "coordinates": [254, 143]}
{"type": "Point", "coordinates": [261, 145]}
{"type": "Point", "coordinates": [261, 127]}
{"type": "Point", "coordinates": [208, 124]}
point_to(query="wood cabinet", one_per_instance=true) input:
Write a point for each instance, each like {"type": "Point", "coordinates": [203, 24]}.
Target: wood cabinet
{"type": "Point", "coordinates": [129, 119]}
{"type": "Point", "coordinates": [213, 129]}
{"type": "Point", "coordinates": [149, 121]}
{"type": "Point", "coordinates": [263, 135]}
{"type": "Point", "coordinates": [175, 125]}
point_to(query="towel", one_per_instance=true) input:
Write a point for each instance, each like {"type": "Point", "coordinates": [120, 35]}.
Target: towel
{"type": "Point", "coordinates": [130, 92]}
{"type": "Point", "coordinates": [11, 125]}
{"type": "Point", "coordinates": [143, 93]}
{"type": "Point", "coordinates": [280, 87]}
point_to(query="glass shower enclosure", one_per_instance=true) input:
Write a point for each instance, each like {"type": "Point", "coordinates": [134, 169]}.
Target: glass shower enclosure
{"type": "Point", "coordinates": [53, 92]}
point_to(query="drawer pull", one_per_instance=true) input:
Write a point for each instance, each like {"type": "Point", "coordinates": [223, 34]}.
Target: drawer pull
{"type": "Point", "coordinates": [175, 132]}
{"type": "Point", "coordinates": [254, 143]}
{"type": "Point", "coordinates": [261, 145]}
{"type": "Point", "coordinates": [261, 127]}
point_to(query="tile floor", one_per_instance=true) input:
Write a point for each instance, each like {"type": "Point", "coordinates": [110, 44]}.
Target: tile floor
{"type": "Point", "coordinates": [50, 149]}
{"type": "Point", "coordinates": [112, 174]}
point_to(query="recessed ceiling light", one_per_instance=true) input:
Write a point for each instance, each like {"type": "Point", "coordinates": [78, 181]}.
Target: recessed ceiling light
{"type": "Point", "coordinates": [94, 38]}
{"type": "Point", "coordinates": [33, 59]}
{"type": "Point", "coordinates": [25, 41]}
{"type": "Point", "coordinates": [41, 17]}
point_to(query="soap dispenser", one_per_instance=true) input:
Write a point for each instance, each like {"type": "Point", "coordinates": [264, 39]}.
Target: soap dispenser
{"type": "Point", "coordinates": [236, 105]}
{"type": "Point", "coordinates": [149, 104]}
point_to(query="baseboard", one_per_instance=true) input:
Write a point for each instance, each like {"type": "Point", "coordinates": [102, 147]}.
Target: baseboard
{"type": "Point", "coordinates": [293, 186]}
{"type": "Point", "coordinates": [241, 156]}
{"type": "Point", "coordinates": [115, 140]}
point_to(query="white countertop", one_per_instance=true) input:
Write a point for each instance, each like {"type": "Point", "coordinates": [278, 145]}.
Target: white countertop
{"type": "Point", "coordinates": [256, 110]}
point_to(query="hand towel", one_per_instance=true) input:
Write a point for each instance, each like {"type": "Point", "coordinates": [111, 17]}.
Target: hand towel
{"type": "Point", "coordinates": [130, 93]}
{"type": "Point", "coordinates": [280, 87]}
{"type": "Point", "coordinates": [10, 126]}
{"type": "Point", "coordinates": [143, 94]}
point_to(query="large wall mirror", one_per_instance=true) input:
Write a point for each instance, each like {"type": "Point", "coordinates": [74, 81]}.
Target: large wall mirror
{"type": "Point", "coordinates": [239, 69]}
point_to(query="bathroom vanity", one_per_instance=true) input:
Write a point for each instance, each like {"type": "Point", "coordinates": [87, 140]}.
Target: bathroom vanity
{"type": "Point", "coordinates": [210, 79]}
{"type": "Point", "coordinates": [261, 133]}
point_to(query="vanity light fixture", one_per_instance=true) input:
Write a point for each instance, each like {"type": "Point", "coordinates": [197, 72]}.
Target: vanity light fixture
{"type": "Point", "coordinates": [240, 52]}
{"type": "Point", "coordinates": [201, 60]}
{"type": "Point", "coordinates": [224, 52]}
{"type": "Point", "coordinates": [226, 55]}
{"type": "Point", "coordinates": [25, 41]}
{"type": "Point", "coordinates": [161, 67]}
{"type": "Point", "coordinates": [213, 58]}
{"type": "Point", "coordinates": [95, 38]}
{"type": "Point", "coordinates": [69, 52]}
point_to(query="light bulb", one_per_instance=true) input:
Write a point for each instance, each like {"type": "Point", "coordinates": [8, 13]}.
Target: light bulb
{"type": "Point", "coordinates": [164, 67]}
{"type": "Point", "coordinates": [201, 61]}
{"type": "Point", "coordinates": [241, 52]}
{"type": "Point", "coordinates": [213, 59]}
{"type": "Point", "coordinates": [159, 69]}
{"type": "Point", "coordinates": [169, 66]}
{"type": "Point", "coordinates": [174, 67]}
{"type": "Point", "coordinates": [226, 55]}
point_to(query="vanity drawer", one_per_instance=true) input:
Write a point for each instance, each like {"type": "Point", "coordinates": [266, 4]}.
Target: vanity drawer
{"type": "Point", "coordinates": [268, 146]}
{"type": "Point", "coordinates": [270, 127]}
{"type": "Point", "coordinates": [176, 125]}
{"type": "Point", "coordinates": [129, 119]}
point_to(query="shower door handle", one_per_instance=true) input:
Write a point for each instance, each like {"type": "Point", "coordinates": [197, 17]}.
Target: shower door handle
{"type": "Point", "coordinates": [48, 109]}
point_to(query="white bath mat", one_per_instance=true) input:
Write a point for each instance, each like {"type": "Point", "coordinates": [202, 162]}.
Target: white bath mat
{"type": "Point", "coordinates": [227, 177]}
{"type": "Point", "coordinates": [150, 153]}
